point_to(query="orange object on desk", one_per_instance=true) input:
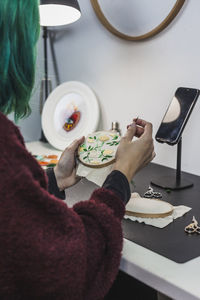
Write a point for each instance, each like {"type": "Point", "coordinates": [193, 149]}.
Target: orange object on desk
{"type": "Point", "coordinates": [53, 161]}
{"type": "Point", "coordinates": [52, 156]}
{"type": "Point", "coordinates": [43, 163]}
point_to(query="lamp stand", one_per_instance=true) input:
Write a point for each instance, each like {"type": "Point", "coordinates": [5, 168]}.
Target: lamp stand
{"type": "Point", "coordinates": [169, 182]}
{"type": "Point", "coordinates": [46, 85]}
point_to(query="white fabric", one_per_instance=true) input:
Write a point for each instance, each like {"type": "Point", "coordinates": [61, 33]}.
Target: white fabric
{"type": "Point", "coordinates": [96, 175]}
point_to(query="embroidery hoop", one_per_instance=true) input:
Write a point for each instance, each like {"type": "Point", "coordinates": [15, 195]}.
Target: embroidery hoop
{"type": "Point", "coordinates": [106, 163]}
{"type": "Point", "coordinates": [136, 207]}
{"type": "Point", "coordinates": [169, 18]}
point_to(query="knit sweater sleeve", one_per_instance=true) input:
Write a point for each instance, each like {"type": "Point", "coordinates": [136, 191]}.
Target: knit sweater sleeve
{"type": "Point", "coordinates": [52, 184]}
{"type": "Point", "coordinates": [48, 250]}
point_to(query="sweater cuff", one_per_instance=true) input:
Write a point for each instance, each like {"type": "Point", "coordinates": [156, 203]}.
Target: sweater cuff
{"type": "Point", "coordinates": [52, 184]}
{"type": "Point", "coordinates": [117, 182]}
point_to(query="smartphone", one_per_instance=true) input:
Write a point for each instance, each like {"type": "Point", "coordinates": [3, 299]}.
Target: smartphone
{"type": "Point", "coordinates": [177, 115]}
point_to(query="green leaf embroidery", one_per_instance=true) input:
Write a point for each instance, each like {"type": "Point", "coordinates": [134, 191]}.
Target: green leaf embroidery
{"type": "Point", "coordinates": [115, 137]}
{"type": "Point", "coordinates": [114, 143]}
{"type": "Point", "coordinates": [101, 153]}
{"type": "Point", "coordinates": [105, 158]}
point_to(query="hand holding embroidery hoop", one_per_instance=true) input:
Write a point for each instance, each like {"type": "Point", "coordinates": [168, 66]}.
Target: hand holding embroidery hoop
{"type": "Point", "coordinates": [97, 155]}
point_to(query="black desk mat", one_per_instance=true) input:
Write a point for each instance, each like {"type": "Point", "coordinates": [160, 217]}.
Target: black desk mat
{"type": "Point", "coordinates": [171, 241]}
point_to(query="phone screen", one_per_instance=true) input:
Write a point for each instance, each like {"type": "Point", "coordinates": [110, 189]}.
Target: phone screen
{"type": "Point", "coordinates": [177, 115]}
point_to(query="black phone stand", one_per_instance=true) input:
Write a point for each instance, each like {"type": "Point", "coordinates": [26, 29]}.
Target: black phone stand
{"type": "Point", "coordinates": [177, 183]}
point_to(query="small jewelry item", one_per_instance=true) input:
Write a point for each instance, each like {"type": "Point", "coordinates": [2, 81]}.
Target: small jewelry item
{"type": "Point", "coordinates": [151, 194]}
{"type": "Point", "coordinates": [193, 227]}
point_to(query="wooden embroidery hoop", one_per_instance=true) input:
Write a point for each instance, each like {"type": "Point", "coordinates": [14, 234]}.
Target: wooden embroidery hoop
{"type": "Point", "coordinates": [98, 166]}
{"type": "Point", "coordinates": [169, 18]}
{"type": "Point", "coordinates": [102, 165]}
{"type": "Point", "coordinates": [141, 214]}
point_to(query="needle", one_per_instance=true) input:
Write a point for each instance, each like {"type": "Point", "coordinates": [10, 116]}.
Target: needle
{"type": "Point", "coordinates": [136, 119]}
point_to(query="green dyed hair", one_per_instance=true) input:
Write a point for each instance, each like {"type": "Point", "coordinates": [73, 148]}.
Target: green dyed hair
{"type": "Point", "coordinates": [19, 32]}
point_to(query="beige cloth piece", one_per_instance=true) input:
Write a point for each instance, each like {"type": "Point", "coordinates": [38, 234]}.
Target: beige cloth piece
{"type": "Point", "coordinates": [96, 175]}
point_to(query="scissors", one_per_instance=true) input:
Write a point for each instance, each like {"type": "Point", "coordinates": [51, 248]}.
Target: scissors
{"type": "Point", "coordinates": [151, 194]}
{"type": "Point", "coordinates": [193, 227]}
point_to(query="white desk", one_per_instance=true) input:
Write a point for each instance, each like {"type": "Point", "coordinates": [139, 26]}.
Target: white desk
{"type": "Point", "coordinates": [40, 148]}
{"type": "Point", "coordinates": [178, 281]}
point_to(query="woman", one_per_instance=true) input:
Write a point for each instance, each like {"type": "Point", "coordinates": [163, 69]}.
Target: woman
{"type": "Point", "coordinates": [47, 250]}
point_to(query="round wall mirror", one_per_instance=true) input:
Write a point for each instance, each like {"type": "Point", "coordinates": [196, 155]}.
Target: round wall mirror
{"type": "Point", "coordinates": [136, 19]}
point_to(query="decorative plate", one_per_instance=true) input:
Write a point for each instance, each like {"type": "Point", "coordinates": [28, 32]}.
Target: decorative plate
{"type": "Point", "coordinates": [99, 149]}
{"type": "Point", "coordinates": [148, 208]}
{"type": "Point", "coordinates": [70, 111]}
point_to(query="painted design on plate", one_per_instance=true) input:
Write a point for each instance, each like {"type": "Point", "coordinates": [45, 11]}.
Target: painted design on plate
{"type": "Point", "coordinates": [99, 148]}
{"type": "Point", "coordinates": [73, 117]}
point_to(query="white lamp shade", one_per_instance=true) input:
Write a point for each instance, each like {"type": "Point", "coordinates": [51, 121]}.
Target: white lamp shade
{"type": "Point", "coordinates": [55, 14]}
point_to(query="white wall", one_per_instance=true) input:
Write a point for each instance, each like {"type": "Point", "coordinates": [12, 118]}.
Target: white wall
{"type": "Point", "coordinates": [134, 79]}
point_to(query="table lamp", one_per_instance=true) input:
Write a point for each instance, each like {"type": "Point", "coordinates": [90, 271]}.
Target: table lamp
{"type": "Point", "coordinates": [55, 13]}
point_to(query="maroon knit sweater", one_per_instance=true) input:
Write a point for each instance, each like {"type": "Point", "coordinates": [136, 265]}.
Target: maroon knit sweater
{"type": "Point", "coordinates": [48, 250]}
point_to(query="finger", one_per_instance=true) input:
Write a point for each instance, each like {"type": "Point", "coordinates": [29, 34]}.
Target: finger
{"type": "Point", "coordinates": [147, 126]}
{"type": "Point", "coordinates": [140, 122]}
{"type": "Point", "coordinates": [139, 131]}
{"type": "Point", "coordinates": [76, 143]}
{"type": "Point", "coordinates": [148, 129]}
{"type": "Point", "coordinates": [143, 126]}
{"type": "Point", "coordinates": [130, 133]}
{"type": "Point", "coordinates": [153, 155]}
{"type": "Point", "coordinates": [78, 178]}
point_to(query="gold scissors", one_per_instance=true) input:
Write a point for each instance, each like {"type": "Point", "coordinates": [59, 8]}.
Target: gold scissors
{"type": "Point", "coordinates": [193, 227]}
